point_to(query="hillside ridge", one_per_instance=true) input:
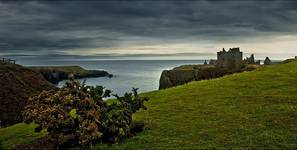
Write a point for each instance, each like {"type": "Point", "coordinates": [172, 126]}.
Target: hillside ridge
{"type": "Point", "coordinates": [17, 84]}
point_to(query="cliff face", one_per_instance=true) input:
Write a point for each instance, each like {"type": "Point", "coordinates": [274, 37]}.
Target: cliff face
{"type": "Point", "coordinates": [17, 84]}
{"type": "Point", "coordinates": [170, 78]}
{"type": "Point", "coordinates": [56, 74]}
{"type": "Point", "coordinates": [187, 73]}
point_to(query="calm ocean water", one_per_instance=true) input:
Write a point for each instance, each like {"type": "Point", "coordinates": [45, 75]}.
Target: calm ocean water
{"type": "Point", "coordinates": [142, 74]}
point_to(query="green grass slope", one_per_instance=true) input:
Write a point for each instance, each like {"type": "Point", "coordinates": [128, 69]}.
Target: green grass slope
{"type": "Point", "coordinates": [247, 110]}
{"type": "Point", "coordinates": [255, 109]}
{"type": "Point", "coordinates": [18, 134]}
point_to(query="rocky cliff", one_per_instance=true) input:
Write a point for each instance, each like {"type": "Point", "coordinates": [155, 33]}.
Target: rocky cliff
{"type": "Point", "coordinates": [187, 73]}
{"type": "Point", "coordinates": [17, 84]}
{"type": "Point", "coordinates": [59, 73]}
{"type": "Point", "coordinates": [170, 78]}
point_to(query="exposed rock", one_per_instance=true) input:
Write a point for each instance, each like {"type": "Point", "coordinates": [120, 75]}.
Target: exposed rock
{"type": "Point", "coordinates": [187, 73]}
{"type": "Point", "coordinates": [170, 78]}
{"type": "Point", "coordinates": [57, 74]}
{"type": "Point", "coordinates": [17, 85]}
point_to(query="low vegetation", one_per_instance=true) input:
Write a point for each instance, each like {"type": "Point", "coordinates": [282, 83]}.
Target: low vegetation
{"type": "Point", "coordinates": [76, 115]}
{"type": "Point", "coordinates": [249, 110]}
{"type": "Point", "coordinates": [20, 133]}
{"type": "Point", "coordinates": [17, 84]}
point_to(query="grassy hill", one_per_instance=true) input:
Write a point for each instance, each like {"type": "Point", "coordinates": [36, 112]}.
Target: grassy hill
{"type": "Point", "coordinates": [17, 83]}
{"type": "Point", "coordinates": [255, 109]}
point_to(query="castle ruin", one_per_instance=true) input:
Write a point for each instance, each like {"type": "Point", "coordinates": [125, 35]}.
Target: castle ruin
{"type": "Point", "coordinates": [229, 59]}
{"type": "Point", "coordinates": [251, 60]}
{"type": "Point", "coordinates": [233, 59]}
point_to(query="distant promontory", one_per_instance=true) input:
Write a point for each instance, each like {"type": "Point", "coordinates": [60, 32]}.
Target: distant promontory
{"type": "Point", "coordinates": [18, 83]}
{"type": "Point", "coordinates": [55, 74]}
{"type": "Point", "coordinates": [227, 62]}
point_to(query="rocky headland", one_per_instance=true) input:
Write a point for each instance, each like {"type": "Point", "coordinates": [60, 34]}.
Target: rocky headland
{"type": "Point", "coordinates": [55, 74]}
{"type": "Point", "coordinates": [18, 83]}
{"type": "Point", "coordinates": [227, 62]}
{"type": "Point", "coordinates": [187, 73]}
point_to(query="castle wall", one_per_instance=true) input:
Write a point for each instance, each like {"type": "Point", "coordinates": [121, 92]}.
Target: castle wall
{"type": "Point", "coordinates": [231, 58]}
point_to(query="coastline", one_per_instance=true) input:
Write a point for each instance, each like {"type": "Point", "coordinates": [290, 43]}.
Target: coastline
{"type": "Point", "coordinates": [55, 74]}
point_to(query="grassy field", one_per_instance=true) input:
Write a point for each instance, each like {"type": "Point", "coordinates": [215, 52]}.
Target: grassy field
{"type": "Point", "coordinates": [18, 134]}
{"type": "Point", "coordinates": [255, 109]}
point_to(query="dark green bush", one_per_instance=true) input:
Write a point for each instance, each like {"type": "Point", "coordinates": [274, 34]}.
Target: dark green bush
{"type": "Point", "coordinates": [77, 115]}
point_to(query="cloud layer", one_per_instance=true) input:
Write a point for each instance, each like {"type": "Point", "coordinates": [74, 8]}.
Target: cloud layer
{"type": "Point", "coordinates": [77, 27]}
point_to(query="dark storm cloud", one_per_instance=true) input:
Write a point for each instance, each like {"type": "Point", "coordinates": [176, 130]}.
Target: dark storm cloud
{"type": "Point", "coordinates": [51, 26]}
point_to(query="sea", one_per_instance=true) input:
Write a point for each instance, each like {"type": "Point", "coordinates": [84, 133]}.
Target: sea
{"type": "Point", "coordinates": [128, 74]}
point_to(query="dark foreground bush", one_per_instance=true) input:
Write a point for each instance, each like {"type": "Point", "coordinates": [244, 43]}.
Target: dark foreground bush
{"type": "Point", "coordinates": [76, 115]}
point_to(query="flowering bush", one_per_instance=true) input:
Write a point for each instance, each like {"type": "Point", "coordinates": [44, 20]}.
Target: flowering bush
{"type": "Point", "coordinates": [77, 115]}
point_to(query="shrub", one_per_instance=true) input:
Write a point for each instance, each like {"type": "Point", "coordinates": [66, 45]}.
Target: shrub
{"type": "Point", "coordinates": [118, 116]}
{"type": "Point", "coordinates": [77, 115]}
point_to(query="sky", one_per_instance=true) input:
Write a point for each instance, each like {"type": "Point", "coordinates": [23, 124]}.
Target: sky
{"type": "Point", "coordinates": [143, 27]}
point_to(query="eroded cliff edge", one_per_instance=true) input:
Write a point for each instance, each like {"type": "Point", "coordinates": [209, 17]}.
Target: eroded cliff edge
{"type": "Point", "coordinates": [187, 73]}
{"type": "Point", "coordinates": [55, 74]}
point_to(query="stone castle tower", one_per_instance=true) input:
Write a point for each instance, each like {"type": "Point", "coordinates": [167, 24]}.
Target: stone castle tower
{"type": "Point", "coordinates": [229, 59]}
